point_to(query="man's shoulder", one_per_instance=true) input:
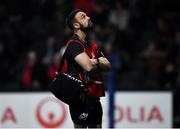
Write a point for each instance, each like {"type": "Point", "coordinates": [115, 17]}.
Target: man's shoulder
{"type": "Point", "coordinates": [74, 38]}
{"type": "Point", "coordinates": [74, 43]}
{"type": "Point", "coordinates": [94, 45]}
{"type": "Point", "coordinates": [74, 46]}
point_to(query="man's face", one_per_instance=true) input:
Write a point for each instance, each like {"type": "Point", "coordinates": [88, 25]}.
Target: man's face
{"type": "Point", "coordinates": [83, 21]}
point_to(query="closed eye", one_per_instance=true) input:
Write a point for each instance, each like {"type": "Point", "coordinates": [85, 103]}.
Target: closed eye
{"type": "Point", "coordinates": [83, 16]}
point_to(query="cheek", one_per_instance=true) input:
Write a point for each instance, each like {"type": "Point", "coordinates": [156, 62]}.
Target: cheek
{"type": "Point", "coordinates": [85, 23]}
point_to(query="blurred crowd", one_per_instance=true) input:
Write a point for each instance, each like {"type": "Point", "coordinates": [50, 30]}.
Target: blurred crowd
{"type": "Point", "coordinates": [141, 38]}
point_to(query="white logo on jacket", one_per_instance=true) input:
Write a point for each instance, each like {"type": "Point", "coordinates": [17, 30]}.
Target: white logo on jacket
{"type": "Point", "coordinates": [83, 116]}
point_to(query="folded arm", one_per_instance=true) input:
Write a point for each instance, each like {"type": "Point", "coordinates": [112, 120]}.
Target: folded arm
{"type": "Point", "coordinates": [92, 64]}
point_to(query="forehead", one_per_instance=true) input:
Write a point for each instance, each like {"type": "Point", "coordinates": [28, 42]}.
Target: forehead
{"type": "Point", "coordinates": [79, 14]}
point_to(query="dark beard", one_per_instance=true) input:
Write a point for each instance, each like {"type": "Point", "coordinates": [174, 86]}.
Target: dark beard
{"type": "Point", "coordinates": [88, 28]}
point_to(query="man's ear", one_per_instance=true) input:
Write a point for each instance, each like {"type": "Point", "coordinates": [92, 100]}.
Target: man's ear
{"type": "Point", "coordinates": [76, 25]}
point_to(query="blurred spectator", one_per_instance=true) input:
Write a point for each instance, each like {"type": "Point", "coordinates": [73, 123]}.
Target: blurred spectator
{"type": "Point", "coordinates": [154, 58]}
{"type": "Point", "coordinates": [119, 16]}
{"type": "Point", "coordinates": [163, 29]}
{"type": "Point", "coordinates": [50, 49]}
{"type": "Point", "coordinates": [33, 73]}
{"type": "Point", "coordinates": [100, 14]}
{"type": "Point", "coordinates": [53, 67]}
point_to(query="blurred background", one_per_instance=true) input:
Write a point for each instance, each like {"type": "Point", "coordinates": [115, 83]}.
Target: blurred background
{"type": "Point", "coordinates": [141, 38]}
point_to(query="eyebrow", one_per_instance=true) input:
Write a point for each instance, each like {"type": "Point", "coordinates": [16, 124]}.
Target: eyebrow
{"type": "Point", "coordinates": [82, 14]}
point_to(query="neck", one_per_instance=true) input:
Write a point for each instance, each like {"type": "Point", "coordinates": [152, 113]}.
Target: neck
{"type": "Point", "coordinates": [81, 34]}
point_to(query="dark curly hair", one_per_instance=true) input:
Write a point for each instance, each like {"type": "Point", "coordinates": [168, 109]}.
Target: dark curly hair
{"type": "Point", "coordinates": [70, 18]}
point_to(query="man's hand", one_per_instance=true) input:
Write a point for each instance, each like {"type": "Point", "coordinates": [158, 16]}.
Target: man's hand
{"type": "Point", "coordinates": [104, 64]}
